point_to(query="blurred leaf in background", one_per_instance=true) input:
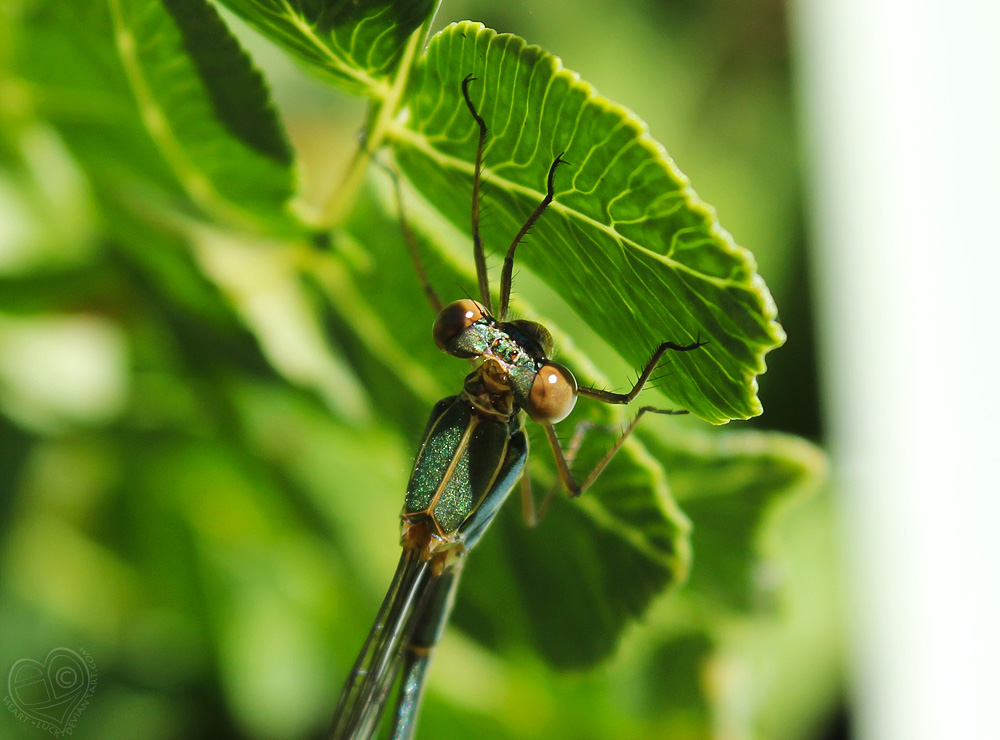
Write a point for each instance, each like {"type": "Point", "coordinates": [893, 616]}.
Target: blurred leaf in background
{"type": "Point", "coordinates": [215, 362]}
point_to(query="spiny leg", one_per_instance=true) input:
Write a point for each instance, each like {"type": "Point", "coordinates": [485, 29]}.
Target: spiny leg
{"type": "Point", "coordinates": [609, 397]}
{"type": "Point", "coordinates": [532, 515]}
{"type": "Point", "coordinates": [477, 241]}
{"type": "Point", "coordinates": [508, 262]}
{"type": "Point", "coordinates": [528, 513]}
{"type": "Point", "coordinates": [564, 460]}
{"type": "Point", "coordinates": [409, 238]}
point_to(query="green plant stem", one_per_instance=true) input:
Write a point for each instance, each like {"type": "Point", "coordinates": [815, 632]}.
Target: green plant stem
{"type": "Point", "coordinates": [382, 112]}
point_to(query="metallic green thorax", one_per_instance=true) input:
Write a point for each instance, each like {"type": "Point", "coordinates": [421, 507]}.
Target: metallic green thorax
{"type": "Point", "coordinates": [461, 456]}
{"type": "Point", "coordinates": [474, 449]}
{"type": "Point", "coordinates": [466, 462]}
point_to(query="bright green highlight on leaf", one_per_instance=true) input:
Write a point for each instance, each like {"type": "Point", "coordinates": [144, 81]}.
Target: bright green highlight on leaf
{"type": "Point", "coordinates": [626, 243]}
{"type": "Point", "coordinates": [354, 44]}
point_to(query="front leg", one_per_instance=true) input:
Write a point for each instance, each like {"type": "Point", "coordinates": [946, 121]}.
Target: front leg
{"type": "Point", "coordinates": [609, 397]}
{"type": "Point", "coordinates": [565, 459]}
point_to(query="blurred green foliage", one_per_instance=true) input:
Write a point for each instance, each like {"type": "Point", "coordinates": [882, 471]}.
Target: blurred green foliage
{"type": "Point", "coordinates": [208, 406]}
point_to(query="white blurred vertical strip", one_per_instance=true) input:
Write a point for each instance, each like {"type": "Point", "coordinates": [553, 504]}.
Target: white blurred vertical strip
{"type": "Point", "coordinates": [902, 121]}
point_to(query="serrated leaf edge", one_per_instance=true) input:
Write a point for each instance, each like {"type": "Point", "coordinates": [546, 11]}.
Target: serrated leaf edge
{"type": "Point", "coordinates": [400, 132]}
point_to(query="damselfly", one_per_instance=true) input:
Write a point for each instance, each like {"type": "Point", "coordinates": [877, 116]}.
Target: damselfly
{"type": "Point", "coordinates": [472, 455]}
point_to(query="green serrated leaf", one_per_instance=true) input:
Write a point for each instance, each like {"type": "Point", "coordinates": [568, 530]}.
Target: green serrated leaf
{"type": "Point", "coordinates": [206, 108]}
{"type": "Point", "coordinates": [626, 243]}
{"type": "Point", "coordinates": [731, 486]}
{"type": "Point", "coordinates": [354, 44]}
{"type": "Point", "coordinates": [237, 90]}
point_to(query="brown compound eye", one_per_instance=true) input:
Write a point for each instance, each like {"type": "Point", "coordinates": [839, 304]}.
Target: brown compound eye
{"type": "Point", "coordinates": [553, 394]}
{"type": "Point", "coordinates": [454, 319]}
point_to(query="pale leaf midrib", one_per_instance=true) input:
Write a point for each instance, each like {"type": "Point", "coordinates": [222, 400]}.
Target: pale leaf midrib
{"type": "Point", "coordinates": [377, 88]}
{"type": "Point", "coordinates": [420, 142]}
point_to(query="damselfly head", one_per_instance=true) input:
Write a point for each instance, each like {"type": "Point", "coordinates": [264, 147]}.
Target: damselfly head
{"type": "Point", "coordinates": [516, 358]}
